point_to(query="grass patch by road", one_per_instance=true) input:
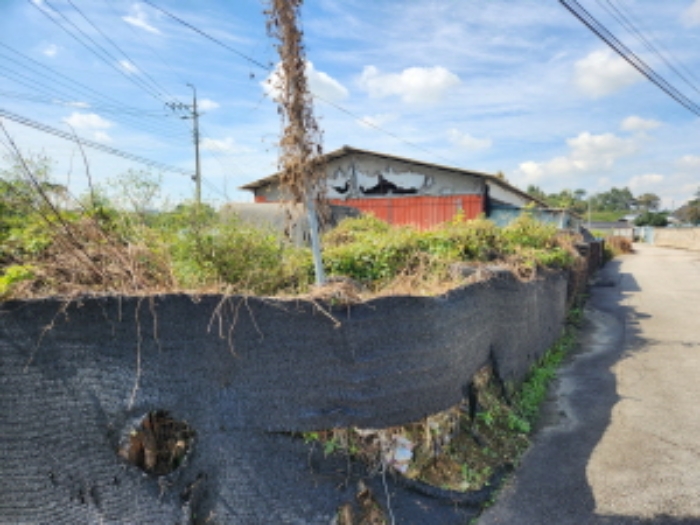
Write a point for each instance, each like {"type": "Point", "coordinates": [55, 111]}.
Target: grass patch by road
{"type": "Point", "coordinates": [460, 449]}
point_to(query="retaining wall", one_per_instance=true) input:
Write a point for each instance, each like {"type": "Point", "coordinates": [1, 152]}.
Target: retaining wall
{"type": "Point", "coordinates": [244, 372]}
{"type": "Point", "coordinates": [685, 238]}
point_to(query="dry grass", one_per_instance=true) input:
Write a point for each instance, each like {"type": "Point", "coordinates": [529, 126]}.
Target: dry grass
{"type": "Point", "coordinates": [618, 245]}
{"type": "Point", "coordinates": [85, 258]}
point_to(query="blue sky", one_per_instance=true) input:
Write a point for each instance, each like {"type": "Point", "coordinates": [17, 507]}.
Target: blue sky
{"type": "Point", "coordinates": [518, 86]}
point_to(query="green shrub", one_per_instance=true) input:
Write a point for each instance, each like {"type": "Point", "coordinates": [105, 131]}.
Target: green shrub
{"type": "Point", "coordinates": [373, 257]}
{"type": "Point", "coordinates": [233, 253]}
{"type": "Point", "coordinates": [527, 232]}
{"type": "Point", "coordinates": [13, 275]}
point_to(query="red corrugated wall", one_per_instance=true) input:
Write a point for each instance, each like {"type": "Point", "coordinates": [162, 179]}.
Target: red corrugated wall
{"type": "Point", "coordinates": [421, 211]}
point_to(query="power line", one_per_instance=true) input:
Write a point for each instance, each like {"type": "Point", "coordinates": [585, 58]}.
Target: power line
{"type": "Point", "coordinates": [60, 83]}
{"type": "Point", "coordinates": [92, 144]}
{"type": "Point", "coordinates": [120, 50]}
{"type": "Point", "coordinates": [99, 54]}
{"type": "Point", "coordinates": [621, 49]}
{"type": "Point", "coordinates": [209, 37]}
{"type": "Point", "coordinates": [269, 69]}
{"type": "Point", "coordinates": [630, 26]}
{"type": "Point", "coordinates": [62, 79]}
{"type": "Point", "coordinates": [57, 101]}
{"type": "Point", "coordinates": [660, 43]}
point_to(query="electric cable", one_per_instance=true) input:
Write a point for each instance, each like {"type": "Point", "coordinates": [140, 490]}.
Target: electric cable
{"type": "Point", "coordinates": [270, 69]}
{"type": "Point", "coordinates": [628, 55]}
{"type": "Point", "coordinates": [120, 50]}
{"type": "Point", "coordinates": [617, 13]}
{"type": "Point", "coordinates": [92, 144]}
{"type": "Point", "coordinates": [134, 79]}
{"type": "Point", "coordinates": [63, 87]}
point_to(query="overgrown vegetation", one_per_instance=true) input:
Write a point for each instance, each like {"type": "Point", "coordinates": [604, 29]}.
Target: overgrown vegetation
{"type": "Point", "coordinates": [462, 448]}
{"type": "Point", "coordinates": [111, 240]}
{"type": "Point", "coordinates": [616, 245]}
{"type": "Point", "coordinates": [648, 218]}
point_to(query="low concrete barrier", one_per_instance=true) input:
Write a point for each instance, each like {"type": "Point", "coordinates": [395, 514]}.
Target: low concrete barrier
{"type": "Point", "coordinates": [685, 238]}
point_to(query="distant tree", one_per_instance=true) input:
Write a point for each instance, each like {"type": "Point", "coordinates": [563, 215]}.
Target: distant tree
{"type": "Point", "coordinates": [137, 191]}
{"type": "Point", "coordinates": [649, 218]}
{"type": "Point", "coordinates": [27, 186]}
{"type": "Point", "coordinates": [536, 192]}
{"type": "Point", "coordinates": [649, 201]}
{"type": "Point", "coordinates": [690, 212]}
{"type": "Point", "coordinates": [568, 200]}
{"type": "Point", "coordinates": [616, 199]}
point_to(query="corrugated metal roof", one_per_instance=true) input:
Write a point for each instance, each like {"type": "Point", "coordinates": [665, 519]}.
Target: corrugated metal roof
{"type": "Point", "coordinates": [347, 150]}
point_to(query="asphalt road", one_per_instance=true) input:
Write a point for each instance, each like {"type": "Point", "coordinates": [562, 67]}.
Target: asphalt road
{"type": "Point", "coordinates": [620, 442]}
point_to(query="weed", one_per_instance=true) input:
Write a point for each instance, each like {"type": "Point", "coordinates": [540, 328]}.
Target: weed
{"type": "Point", "coordinates": [616, 246]}
{"type": "Point", "coordinates": [12, 276]}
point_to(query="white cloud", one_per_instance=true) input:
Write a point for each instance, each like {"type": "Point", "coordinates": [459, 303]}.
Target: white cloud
{"type": "Point", "coordinates": [87, 121]}
{"type": "Point", "coordinates": [320, 84]}
{"type": "Point", "coordinates": [413, 85]}
{"type": "Point", "coordinates": [689, 162]}
{"type": "Point", "coordinates": [378, 120]}
{"type": "Point", "coordinates": [75, 104]}
{"type": "Point", "coordinates": [634, 123]}
{"type": "Point", "coordinates": [602, 73]}
{"type": "Point", "coordinates": [209, 144]}
{"type": "Point", "coordinates": [466, 141]}
{"type": "Point", "coordinates": [207, 105]}
{"type": "Point", "coordinates": [587, 154]}
{"type": "Point", "coordinates": [324, 85]}
{"type": "Point", "coordinates": [50, 51]}
{"type": "Point", "coordinates": [645, 183]}
{"type": "Point", "coordinates": [101, 136]}
{"type": "Point", "coordinates": [139, 18]}
{"type": "Point", "coordinates": [128, 67]}
{"type": "Point", "coordinates": [691, 16]}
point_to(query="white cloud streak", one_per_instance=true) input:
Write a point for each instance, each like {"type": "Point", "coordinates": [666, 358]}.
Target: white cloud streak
{"type": "Point", "coordinates": [645, 183]}
{"type": "Point", "coordinates": [467, 141]}
{"type": "Point", "coordinates": [602, 73]}
{"type": "Point", "coordinates": [691, 16]}
{"type": "Point", "coordinates": [128, 67]}
{"type": "Point", "coordinates": [635, 123]}
{"type": "Point", "coordinates": [225, 145]}
{"type": "Point", "coordinates": [207, 105]}
{"type": "Point", "coordinates": [378, 120]}
{"type": "Point", "coordinates": [414, 85]}
{"type": "Point", "coordinates": [101, 136]}
{"type": "Point", "coordinates": [587, 154]}
{"type": "Point", "coordinates": [87, 121]}
{"type": "Point", "coordinates": [320, 84]}
{"type": "Point", "coordinates": [689, 162]}
{"type": "Point", "coordinates": [50, 51]}
{"type": "Point", "coordinates": [139, 18]}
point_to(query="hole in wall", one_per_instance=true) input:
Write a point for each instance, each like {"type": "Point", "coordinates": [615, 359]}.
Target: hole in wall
{"type": "Point", "coordinates": [158, 444]}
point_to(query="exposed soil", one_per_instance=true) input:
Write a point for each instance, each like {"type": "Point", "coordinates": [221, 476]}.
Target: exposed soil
{"type": "Point", "coordinates": [159, 444]}
{"type": "Point", "coordinates": [495, 437]}
{"type": "Point", "coordinates": [459, 449]}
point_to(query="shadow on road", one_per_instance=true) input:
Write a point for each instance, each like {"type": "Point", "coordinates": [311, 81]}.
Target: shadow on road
{"type": "Point", "coordinates": [551, 486]}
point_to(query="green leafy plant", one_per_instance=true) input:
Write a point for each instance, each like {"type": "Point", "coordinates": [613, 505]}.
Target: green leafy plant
{"type": "Point", "coordinates": [12, 276]}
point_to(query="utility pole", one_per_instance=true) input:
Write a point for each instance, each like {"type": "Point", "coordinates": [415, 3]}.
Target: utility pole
{"type": "Point", "coordinates": [194, 116]}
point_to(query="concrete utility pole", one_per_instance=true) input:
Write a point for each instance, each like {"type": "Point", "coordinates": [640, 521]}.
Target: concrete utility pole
{"type": "Point", "coordinates": [194, 115]}
{"type": "Point", "coordinates": [195, 133]}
